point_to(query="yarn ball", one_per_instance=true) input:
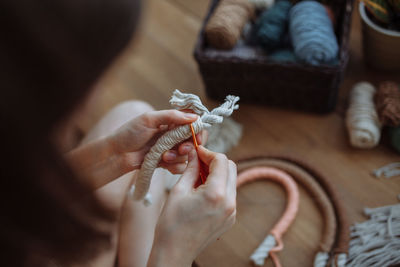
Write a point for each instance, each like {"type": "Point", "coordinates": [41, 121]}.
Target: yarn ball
{"type": "Point", "coordinates": [387, 101]}
{"type": "Point", "coordinates": [284, 55]}
{"type": "Point", "coordinates": [226, 24]}
{"type": "Point", "coordinates": [394, 134]}
{"type": "Point", "coordinates": [262, 4]}
{"type": "Point", "coordinates": [312, 34]}
{"type": "Point", "coordinates": [272, 24]}
{"type": "Point", "coordinates": [361, 118]}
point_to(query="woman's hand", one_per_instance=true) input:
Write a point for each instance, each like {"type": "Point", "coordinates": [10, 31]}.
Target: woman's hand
{"type": "Point", "coordinates": [193, 218]}
{"type": "Point", "coordinates": [136, 137]}
{"type": "Point", "coordinates": [101, 161]}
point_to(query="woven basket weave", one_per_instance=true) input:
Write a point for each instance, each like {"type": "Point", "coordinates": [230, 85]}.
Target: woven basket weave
{"type": "Point", "coordinates": [262, 81]}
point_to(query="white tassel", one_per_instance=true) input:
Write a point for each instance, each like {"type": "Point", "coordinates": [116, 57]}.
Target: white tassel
{"type": "Point", "coordinates": [341, 260]}
{"type": "Point", "coordinates": [223, 137]}
{"type": "Point", "coordinates": [321, 259]}
{"type": "Point", "coordinates": [376, 242]}
{"type": "Point", "coordinates": [261, 253]}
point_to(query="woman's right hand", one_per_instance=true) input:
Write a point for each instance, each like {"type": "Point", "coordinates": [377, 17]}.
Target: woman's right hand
{"type": "Point", "coordinates": [193, 218]}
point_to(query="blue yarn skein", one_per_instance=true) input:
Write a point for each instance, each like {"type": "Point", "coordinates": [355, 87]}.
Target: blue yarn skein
{"type": "Point", "coordinates": [312, 35]}
{"type": "Point", "coordinates": [272, 25]}
{"type": "Point", "coordinates": [284, 55]}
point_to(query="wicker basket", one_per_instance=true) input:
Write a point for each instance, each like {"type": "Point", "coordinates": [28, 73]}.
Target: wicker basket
{"type": "Point", "coordinates": [262, 81]}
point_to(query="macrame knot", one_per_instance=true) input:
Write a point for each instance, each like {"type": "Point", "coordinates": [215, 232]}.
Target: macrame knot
{"type": "Point", "coordinates": [175, 136]}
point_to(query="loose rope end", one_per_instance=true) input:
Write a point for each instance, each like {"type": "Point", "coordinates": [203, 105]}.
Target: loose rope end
{"type": "Point", "coordinates": [147, 199]}
{"type": "Point", "coordinates": [261, 253]}
{"type": "Point", "coordinates": [321, 259]}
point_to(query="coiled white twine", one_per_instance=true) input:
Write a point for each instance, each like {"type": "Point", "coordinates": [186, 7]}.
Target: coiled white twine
{"type": "Point", "coordinates": [179, 134]}
{"type": "Point", "coordinates": [261, 253]}
{"type": "Point", "coordinates": [361, 119]}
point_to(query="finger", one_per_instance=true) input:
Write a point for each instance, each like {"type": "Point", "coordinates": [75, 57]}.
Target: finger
{"type": "Point", "coordinates": [231, 183]}
{"type": "Point", "coordinates": [154, 119]}
{"type": "Point", "coordinates": [177, 168]}
{"type": "Point", "coordinates": [171, 157]}
{"type": "Point", "coordinates": [185, 148]}
{"type": "Point", "coordinates": [191, 173]}
{"type": "Point", "coordinates": [202, 137]}
{"type": "Point", "coordinates": [206, 155]}
{"type": "Point", "coordinates": [218, 169]}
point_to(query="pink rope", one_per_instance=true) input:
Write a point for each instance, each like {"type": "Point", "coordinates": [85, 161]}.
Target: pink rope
{"type": "Point", "coordinates": [292, 206]}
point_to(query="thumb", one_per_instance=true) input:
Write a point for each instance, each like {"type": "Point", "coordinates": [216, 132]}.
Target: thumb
{"type": "Point", "coordinates": [191, 172]}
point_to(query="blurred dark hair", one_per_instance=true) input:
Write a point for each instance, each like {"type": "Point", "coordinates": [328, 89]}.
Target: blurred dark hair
{"type": "Point", "coordinates": [51, 54]}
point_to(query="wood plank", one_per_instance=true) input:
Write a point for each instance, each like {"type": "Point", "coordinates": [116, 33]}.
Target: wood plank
{"type": "Point", "coordinates": [160, 60]}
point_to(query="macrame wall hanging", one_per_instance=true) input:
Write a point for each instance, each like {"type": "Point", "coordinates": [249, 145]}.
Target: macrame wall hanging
{"type": "Point", "coordinates": [335, 239]}
{"type": "Point", "coordinates": [273, 242]}
{"type": "Point", "coordinates": [376, 242]}
{"type": "Point", "coordinates": [179, 134]}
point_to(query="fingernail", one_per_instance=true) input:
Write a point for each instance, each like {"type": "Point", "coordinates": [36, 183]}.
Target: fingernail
{"type": "Point", "coordinates": [186, 149]}
{"type": "Point", "coordinates": [190, 116]}
{"type": "Point", "coordinates": [169, 156]}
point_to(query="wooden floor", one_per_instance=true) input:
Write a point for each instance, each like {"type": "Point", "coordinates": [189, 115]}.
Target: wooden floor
{"type": "Point", "coordinates": [160, 60]}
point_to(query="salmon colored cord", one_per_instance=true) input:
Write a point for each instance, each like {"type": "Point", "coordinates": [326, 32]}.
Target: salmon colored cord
{"type": "Point", "coordinates": [313, 188]}
{"type": "Point", "coordinates": [341, 245]}
{"type": "Point", "coordinates": [292, 206]}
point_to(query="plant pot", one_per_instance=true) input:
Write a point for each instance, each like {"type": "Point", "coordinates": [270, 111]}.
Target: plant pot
{"type": "Point", "coordinates": [381, 46]}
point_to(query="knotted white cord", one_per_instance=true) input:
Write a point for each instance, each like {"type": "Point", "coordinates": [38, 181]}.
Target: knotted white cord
{"type": "Point", "coordinates": [179, 134]}
{"type": "Point", "coordinates": [341, 260]}
{"type": "Point", "coordinates": [361, 119]}
{"type": "Point", "coordinates": [261, 253]}
{"type": "Point", "coordinates": [321, 259]}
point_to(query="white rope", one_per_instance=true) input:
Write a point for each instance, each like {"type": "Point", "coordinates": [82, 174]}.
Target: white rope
{"type": "Point", "coordinates": [261, 253]}
{"type": "Point", "coordinates": [341, 260]}
{"type": "Point", "coordinates": [361, 119]}
{"type": "Point", "coordinates": [147, 200]}
{"type": "Point", "coordinates": [321, 259]}
{"type": "Point", "coordinates": [388, 171]}
{"type": "Point", "coordinates": [179, 134]}
{"type": "Point", "coordinates": [376, 242]}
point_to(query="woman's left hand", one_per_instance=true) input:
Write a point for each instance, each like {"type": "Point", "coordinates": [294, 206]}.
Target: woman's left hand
{"type": "Point", "coordinates": [134, 139]}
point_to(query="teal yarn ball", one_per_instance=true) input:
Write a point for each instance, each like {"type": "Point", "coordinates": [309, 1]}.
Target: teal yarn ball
{"type": "Point", "coordinates": [272, 25]}
{"type": "Point", "coordinates": [394, 134]}
{"type": "Point", "coordinates": [284, 55]}
{"type": "Point", "coordinates": [312, 34]}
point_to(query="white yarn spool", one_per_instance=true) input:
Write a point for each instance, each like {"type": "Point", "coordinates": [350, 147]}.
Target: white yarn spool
{"type": "Point", "coordinates": [361, 119]}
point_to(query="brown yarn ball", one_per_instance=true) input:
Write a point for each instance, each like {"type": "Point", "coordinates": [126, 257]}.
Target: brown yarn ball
{"type": "Point", "coordinates": [387, 101]}
{"type": "Point", "coordinates": [226, 24]}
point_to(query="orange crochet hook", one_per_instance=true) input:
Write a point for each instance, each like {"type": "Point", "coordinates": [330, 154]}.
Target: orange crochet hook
{"type": "Point", "coordinates": [203, 168]}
